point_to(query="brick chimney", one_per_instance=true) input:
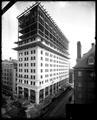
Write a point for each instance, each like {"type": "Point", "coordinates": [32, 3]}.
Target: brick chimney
{"type": "Point", "coordinates": [78, 51]}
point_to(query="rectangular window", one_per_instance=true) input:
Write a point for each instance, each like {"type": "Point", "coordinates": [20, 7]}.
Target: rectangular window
{"type": "Point", "coordinates": [41, 76]}
{"type": "Point", "coordinates": [27, 81]}
{"type": "Point", "coordinates": [79, 73]}
{"type": "Point", "coordinates": [32, 70]}
{"type": "Point", "coordinates": [32, 51]}
{"type": "Point", "coordinates": [41, 52]}
{"type": "Point", "coordinates": [33, 58]}
{"type": "Point", "coordinates": [24, 53]}
{"type": "Point", "coordinates": [27, 52]}
{"type": "Point", "coordinates": [41, 64]}
{"type": "Point", "coordinates": [27, 64]}
{"type": "Point", "coordinates": [47, 54]}
{"type": "Point", "coordinates": [46, 59]}
{"type": "Point", "coordinates": [41, 58]}
{"type": "Point", "coordinates": [34, 77]}
{"type": "Point", "coordinates": [25, 59]}
{"type": "Point", "coordinates": [31, 82]}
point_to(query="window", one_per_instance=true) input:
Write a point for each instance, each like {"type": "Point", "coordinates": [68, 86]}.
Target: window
{"type": "Point", "coordinates": [27, 58]}
{"type": "Point", "coordinates": [33, 58]}
{"type": "Point", "coordinates": [41, 70]}
{"type": "Point", "coordinates": [32, 70]}
{"type": "Point", "coordinates": [41, 76]}
{"type": "Point", "coordinates": [91, 60]}
{"type": "Point", "coordinates": [24, 53]}
{"type": "Point", "coordinates": [46, 65]}
{"type": "Point", "coordinates": [24, 81]}
{"type": "Point", "coordinates": [79, 95]}
{"type": "Point", "coordinates": [79, 84]}
{"type": "Point", "coordinates": [46, 59]}
{"type": "Point", "coordinates": [32, 76]}
{"type": "Point", "coordinates": [27, 81]}
{"type": "Point", "coordinates": [31, 52]}
{"type": "Point", "coordinates": [27, 52]}
{"type": "Point", "coordinates": [92, 74]}
{"type": "Point", "coordinates": [41, 52]}
{"type": "Point", "coordinates": [32, 64]}
{"type": "Point", "coordinates": [51, 55]}
{"type": "Point", "coordinates": [42, 82]}
{"type": "Point", "coordinates": [41, 58]}
{"type": "Point", "coordinates": [47, 54]}
{"type": "Point", "coordinates": [41, 64]}
{"type": "Point", "coordinates": [46, 91]}
{"type": "Point", "coordinates": [46, 75]}
{"type": "Point", "coordinates": [79, 73]}
{"type": "Point", "coordinates": [46, 70]}
{"type": "Point", "coordinates": [31, 82]}
{"type": "Point", "coordinates": [27, 64]}
{"type": "Point", "coordinates": [41, 94]}
{"type": "Point", "coordinates": [34, 51]}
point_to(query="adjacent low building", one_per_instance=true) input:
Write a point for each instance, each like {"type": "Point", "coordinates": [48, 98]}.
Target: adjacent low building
{"type": "Point", "coordinates": [9, 77]}
{"type": "Point", "coordinates": [84, 78]}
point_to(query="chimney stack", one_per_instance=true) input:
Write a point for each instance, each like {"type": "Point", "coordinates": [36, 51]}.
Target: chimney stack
{"type": "Point", "coordinates": [78, 51]}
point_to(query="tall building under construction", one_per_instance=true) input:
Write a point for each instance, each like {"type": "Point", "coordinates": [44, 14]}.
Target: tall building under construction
{"type": "Point", "coordinates": [43, 65]}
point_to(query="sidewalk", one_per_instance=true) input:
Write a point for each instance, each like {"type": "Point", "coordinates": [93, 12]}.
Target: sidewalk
{"type": "Point", "coordinates": [48, 100]}
{"type": "Point", "coordinates": [35, 110]}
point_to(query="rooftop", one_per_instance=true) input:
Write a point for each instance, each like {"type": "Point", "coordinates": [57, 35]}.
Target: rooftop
{"type": "Point", "coordinates": [83, 63]}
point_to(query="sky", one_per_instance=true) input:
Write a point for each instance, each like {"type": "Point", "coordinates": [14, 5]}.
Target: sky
{"type": "Point", "coordinates": [75, 19]}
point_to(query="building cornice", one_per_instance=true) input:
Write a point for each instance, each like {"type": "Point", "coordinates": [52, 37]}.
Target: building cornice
{"type": "Point", "coordinates": [40, 44]}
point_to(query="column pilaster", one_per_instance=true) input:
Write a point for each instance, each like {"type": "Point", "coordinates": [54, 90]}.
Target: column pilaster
{"type": "Point", "coordinates": [37, 97]}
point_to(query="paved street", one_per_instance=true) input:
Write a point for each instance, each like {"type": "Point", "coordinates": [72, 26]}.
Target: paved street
{"type": "Point", "coordinates": [58, 106]}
